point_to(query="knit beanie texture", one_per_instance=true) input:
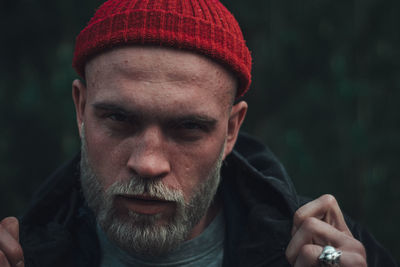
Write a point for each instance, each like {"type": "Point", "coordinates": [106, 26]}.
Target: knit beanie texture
{"type": "Point", "coordinates": [203, 26]}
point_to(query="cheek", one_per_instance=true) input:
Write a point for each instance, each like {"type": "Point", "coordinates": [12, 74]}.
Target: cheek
{"type": "Point", "coordinates": [195, 166]}
{"type": "Point", "coordinates": [105, 156]}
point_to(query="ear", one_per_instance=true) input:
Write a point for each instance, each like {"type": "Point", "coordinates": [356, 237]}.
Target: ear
{"type": "Point", "coordinates": [236, 119]}
{"type": "Point", "coordinates": [79, 97]}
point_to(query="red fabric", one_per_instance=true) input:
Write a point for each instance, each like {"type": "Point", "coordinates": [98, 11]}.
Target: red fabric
{"type": "Point", "coordinates": [202, 26]}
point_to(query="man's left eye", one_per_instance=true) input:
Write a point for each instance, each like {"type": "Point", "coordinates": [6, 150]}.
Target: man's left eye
{"type": "Point", "coordinates": [192, 126]}
{"type": "Point", "coordinates": [117, 117]}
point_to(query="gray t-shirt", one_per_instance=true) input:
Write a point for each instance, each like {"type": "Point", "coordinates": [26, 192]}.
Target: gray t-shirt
{"type": "Point", "coordinates": [207, 249]}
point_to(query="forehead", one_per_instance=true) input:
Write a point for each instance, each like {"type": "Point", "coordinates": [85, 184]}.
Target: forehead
{"type": "Point", "coordinates": [160, 71]}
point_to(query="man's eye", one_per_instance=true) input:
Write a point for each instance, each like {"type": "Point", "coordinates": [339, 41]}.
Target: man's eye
{"type": "Point", "coordinates": [192, 126]}
{"type": "Point", "coordinates": [117, 117]}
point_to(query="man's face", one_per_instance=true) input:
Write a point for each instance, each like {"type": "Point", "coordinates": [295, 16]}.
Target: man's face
{"type": "Point", "coordinates": [157, 125]}
{"type": "Point", "coordinates": [143, 233]}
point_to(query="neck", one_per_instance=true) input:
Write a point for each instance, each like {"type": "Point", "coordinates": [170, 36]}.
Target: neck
{"type": "Point", "coordinates": [207, 218]}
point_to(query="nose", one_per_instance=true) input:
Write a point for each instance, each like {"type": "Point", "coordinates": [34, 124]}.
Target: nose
{"type": "Point", "coordinates": [148, 156]}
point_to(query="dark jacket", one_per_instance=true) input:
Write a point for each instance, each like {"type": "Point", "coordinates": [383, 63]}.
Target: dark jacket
{"type": "Point", "coordinates": [259, 203]}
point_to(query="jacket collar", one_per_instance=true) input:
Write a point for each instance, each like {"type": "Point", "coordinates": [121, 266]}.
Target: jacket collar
{"type": "Point", "coordinates": [259, 202]}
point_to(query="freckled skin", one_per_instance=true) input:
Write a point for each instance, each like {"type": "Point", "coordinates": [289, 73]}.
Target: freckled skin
{"type": "Point", "coordinates": [158, 85]}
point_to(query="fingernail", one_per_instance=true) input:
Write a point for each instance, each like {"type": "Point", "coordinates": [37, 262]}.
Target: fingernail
{"type": "Point", "coordinates": [20, 264]}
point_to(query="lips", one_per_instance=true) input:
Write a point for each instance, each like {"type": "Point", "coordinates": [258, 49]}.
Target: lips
{"type": "Point", "coordinates": [144, 204]}
{"type": "Point", "coordinates": [143, 197]}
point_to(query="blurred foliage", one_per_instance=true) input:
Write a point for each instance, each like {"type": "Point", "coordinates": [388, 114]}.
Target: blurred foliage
{"type": "Point", "coordinates": [324, 97]}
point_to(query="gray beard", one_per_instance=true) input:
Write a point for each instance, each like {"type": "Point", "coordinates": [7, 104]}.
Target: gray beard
{"type": "Point", "coordinates": [139, 233]}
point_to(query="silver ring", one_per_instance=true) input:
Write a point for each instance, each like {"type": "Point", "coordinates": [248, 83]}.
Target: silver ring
{"type": "Point", "coordinates": [330, 256]}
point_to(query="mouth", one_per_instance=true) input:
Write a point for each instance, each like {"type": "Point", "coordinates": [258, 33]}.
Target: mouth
{"type": "Point", "coordinates": [143, 197]}
{"type": "Point", "coordinates": [144, 204]}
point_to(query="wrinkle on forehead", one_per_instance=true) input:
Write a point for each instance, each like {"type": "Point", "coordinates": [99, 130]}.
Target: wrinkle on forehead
{"type": "Point", "coordinates": [153, 65]}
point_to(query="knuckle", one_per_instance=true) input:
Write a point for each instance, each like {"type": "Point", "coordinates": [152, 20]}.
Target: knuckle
{"type": "Point", "coordinates": [307, 250]}
{"type": "Point", "coordinates": [310, 224]}
{"type": "Point", "coordinates": [358, 260]}
{"type": "Point", "coordinates": [329, 200]}
{"type": "Point", "coordinates": [357, 244]}
{"type": "Point", "coordinates": [16, 252]}
{"type": "Point", "coordinates": [308, 254]}
{"type": "Point", "coordinates": [289, 256]}
{"type": "Point", "coordinates": [298, 216]}
{"type": "Point", "coordinates": [359, 248]}
{"type": "Point", "coordinates": [3, 258]}
{"type": "Point", "coordinates": [10, 219]}
{"type": "Point", "coordinates": [13, 220]}
{"type": "Point", "coordinates": [3, 231]}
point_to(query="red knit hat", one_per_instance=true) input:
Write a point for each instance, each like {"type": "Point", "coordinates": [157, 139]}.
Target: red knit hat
{"type": "Point", "coordinates": [202, 26]}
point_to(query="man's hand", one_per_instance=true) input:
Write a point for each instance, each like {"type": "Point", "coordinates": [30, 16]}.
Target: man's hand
{"type": "Point", "coordinates": [11, 253]}
{"type": "Point", "coordinates": [320, 223]}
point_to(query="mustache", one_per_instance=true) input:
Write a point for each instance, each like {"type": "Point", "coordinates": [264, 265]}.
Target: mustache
{"type": "Point", "coordinates": [150, 187]}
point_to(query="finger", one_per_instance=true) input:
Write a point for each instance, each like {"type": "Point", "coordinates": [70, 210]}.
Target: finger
{"type": "Point", "coordinates": [12, 226]}
{"type": "Point", "coordinates": [3, 260]}
{"type": "Point", "coordinates": [324, 208]}
{"type": "Point", "coordinates": [10, 248]}
{"type": "Point", "coordinates": [309, 255]}
{"type": "Point", "coordinates": [317, 232]}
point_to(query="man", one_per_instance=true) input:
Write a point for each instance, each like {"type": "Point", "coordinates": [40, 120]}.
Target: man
{"type": "Point", "coordinates": [158, 181]}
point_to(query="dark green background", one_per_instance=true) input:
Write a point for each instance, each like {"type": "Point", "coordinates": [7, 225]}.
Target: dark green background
{"type": "Point", "coordinates": [324, 97]}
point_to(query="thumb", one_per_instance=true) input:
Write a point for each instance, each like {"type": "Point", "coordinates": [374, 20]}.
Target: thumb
{"type": "Point", "coordinates": [11, 224]}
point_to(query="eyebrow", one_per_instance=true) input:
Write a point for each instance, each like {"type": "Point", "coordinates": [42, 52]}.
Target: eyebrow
{"type": "Point", "coordinates": [200, 118]}
{"type": "Point", "coordinates": [205, 120]}
{"type": "Point", "coordinates": [112, 107]}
